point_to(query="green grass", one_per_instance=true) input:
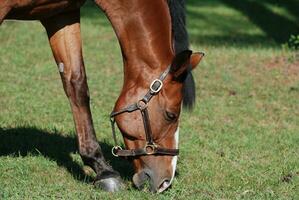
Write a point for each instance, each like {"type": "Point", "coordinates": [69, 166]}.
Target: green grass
{"type": "Point", "coordinates": [240, 142]}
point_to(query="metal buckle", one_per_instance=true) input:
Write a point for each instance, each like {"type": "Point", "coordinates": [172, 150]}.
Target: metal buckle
{"type": "Point", "coordinates": [141, 104]}
{"type": "Point", "coordinates": [150, 149]}
{"type": "Point", "coordinates": [159, 88]}
{"type": "Point", "coordinates": [112, 120]}
{"type": "Point", "coordinates": [114, 150]}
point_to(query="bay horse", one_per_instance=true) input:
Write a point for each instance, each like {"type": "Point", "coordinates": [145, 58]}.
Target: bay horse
{"type": "Point", "coordinates": [157, 81]}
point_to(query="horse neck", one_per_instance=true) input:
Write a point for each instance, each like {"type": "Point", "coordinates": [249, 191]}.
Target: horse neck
{"type": "Point", "coordinates": [143, 29]}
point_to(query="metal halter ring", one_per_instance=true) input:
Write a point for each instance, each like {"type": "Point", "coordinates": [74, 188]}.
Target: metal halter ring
{"type": "Point", "coordinates": [141, 105]}
{"type": "Point", "coordinates": [154, 91]}
{"type": "Point", "coordinates": [114, 150]}
{"type": "Point", "coordinates": [149, 149]}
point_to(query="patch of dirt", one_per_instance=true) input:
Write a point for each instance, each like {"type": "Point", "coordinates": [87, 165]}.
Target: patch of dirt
{"type": "Point", "coordinates": [290, 65]}
{"type": "Point", "coordinates": [232, 93]}
{"type": "Point", "coordinates": [294, 89]}
{"type": "Point", "coordinates": [220, 153]}
{"type": "Point", "coordinates": [287, 178]}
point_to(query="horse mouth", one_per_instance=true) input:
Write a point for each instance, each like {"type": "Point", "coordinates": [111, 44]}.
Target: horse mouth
{"type": "Point", "coordinates": [164, 186]}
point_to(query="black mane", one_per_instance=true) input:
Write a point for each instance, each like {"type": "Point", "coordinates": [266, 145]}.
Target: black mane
{"type": "Point", "coordinates": [181, 43]}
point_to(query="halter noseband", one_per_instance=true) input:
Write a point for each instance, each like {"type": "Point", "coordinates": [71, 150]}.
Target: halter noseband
{"type": "Point", "coordinates": [150, 147]}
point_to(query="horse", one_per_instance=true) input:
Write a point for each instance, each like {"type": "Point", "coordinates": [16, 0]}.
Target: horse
{"type": "Point", "coordinates": [157, 67]}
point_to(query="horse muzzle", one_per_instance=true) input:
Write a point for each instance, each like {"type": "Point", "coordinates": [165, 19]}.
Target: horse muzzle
{"type": "Point", "coordinates": [156, 183]}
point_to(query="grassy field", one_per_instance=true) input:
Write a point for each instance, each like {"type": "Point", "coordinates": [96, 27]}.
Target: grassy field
{"type": "Point", "coordinates": [240, 142]}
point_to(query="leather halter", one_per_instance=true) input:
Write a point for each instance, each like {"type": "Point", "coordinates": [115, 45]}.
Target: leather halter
{"type": "Point", "coordinates": [150, 147]}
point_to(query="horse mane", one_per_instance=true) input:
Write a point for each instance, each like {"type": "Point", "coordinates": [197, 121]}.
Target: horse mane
{"type": "Point", "coordinates": [181, 42]}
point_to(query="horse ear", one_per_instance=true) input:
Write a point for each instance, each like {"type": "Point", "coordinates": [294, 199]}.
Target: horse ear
{"type": "Point", "coordinates": [196, 58]}
{"type": "Point", "coordinates": [183, 62]}
{"type": "Point", "coordinates": [180, 63]}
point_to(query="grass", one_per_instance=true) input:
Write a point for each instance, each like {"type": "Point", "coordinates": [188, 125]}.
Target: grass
{"type": "Point", "coordinates": [240, 142]}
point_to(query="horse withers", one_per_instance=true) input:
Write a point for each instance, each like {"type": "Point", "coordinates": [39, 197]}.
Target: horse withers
{"type": "Point", "coordinates": [157, 80]}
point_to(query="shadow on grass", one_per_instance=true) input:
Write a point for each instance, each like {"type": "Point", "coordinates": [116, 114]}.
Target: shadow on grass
{"type": "Point", "coordinates": [23, 141]}
{"type": "Point", "coordinates": [277, 27]}
{"type": "Point", "coordinates": [92, 12]}
{"type": "Point", "coordinates": [274, 25]}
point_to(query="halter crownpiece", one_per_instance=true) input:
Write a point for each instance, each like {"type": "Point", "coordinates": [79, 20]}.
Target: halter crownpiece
{"type": "Point", "coordinates": [150, 147]}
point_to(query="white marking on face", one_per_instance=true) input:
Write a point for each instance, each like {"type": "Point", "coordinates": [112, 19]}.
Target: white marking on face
{"type": "Point", "coordinates": [173, 162]}
{"type": "Point", "coordinates": [61, 67]}
{"type": "Point", "coordinates": [175, 158]}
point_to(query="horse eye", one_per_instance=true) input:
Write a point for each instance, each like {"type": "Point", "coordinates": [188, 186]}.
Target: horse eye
{"type": "Point", "coordinates": [169, 116]}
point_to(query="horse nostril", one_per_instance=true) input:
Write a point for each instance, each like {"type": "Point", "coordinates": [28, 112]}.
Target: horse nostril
{"type": "Point", "coordinates": [164, 185]}
{"type": "Point", "coordinates": [155, 184]}
{"type": "Point", "coordinates": [139, 179]}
